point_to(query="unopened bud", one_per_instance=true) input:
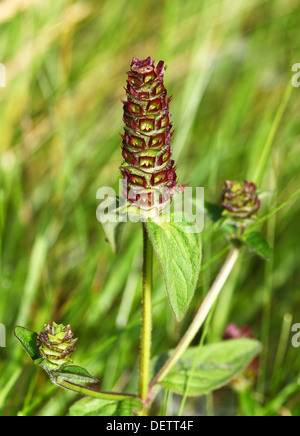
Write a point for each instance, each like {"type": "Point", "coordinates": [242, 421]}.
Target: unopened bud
{"type": "Point", "coordinates": [56, 345]}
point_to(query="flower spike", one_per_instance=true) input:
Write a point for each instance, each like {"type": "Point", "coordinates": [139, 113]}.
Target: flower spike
{"type": "Point", "coordinates": [148, 169]}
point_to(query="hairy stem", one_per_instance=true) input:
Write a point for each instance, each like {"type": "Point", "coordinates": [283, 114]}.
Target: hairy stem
{"type": "Point", "coordinates": [93, 393]}
{"type": "Point", "coordinates": [199, 319]}
{"type": "Point", "coordinates": [145, 348]}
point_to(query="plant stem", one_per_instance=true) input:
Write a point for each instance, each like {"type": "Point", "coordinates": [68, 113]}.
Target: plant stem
{"type": "Point", "coordinates": [199, 319]}
{"type": "Point", "coordinates": [109, 396]}
{"type": "Point", "coordinates": [145, 348]}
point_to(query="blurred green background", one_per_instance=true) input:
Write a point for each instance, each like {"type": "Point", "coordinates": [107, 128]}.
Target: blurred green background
{"type": "Point", "coordinates": [236, 116]}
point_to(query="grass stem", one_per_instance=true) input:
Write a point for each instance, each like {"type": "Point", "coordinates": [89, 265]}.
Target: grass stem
{"type": "Point", "coordinates": [200, 317]}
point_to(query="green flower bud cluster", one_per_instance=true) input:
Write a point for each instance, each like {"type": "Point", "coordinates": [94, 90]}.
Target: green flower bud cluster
{"type": "Point", "coordinates": [56, 345]}
{"type": "Point", "coordinates": [240, 200]}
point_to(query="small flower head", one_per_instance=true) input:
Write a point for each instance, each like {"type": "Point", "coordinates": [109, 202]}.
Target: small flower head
{"type": "Point", "coordinates": [240, 200]}
{"type": "Point", "coordinates": [232, 331]}
{"type": "Point", "coordinates": [56, 345]}
{"type": "Point", "coordinates": [249, 374]}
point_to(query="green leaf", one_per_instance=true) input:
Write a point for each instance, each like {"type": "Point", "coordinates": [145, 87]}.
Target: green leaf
{"type": "Point", "coordinates": [94, 407]}
{"type": "Point", "coordinates": [214, 211]}
{"type": "Point", "coordinates": [28, 339]}
{"type": "Point", "coordinates": [257, 243]}
{"type": "Point", "coordinates": [113, 234]}
{"type": "Point", "coordinates": [178, 248]}
{"type": "Point", "coordinates": [75, 374]}
{"type": "Point", "coordinates": [112, 230]}
{"type": "Point", "coordinates": [215, 366]}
